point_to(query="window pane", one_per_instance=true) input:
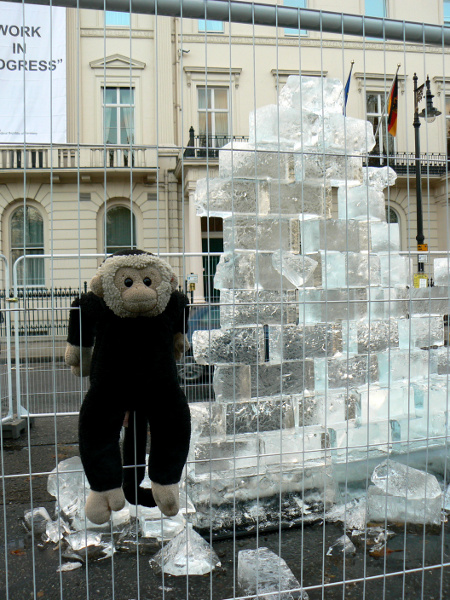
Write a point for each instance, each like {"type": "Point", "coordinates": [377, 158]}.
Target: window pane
{"type": "Point", "coordinates": [117, 18]}
{"type": "Point", "coordinates": [446, 12]}
{"type": "Point", "coordinates": [221, 98]}
{"type": "Point", "coordinates": [120, 229]}
{"type": "Point", "coordinates": [221, 122]}
{"type": "Point", "coordinates": [372, 104]}
{"type": "Point", "coordinates": [295, 4]}
{"type": "Point", "coordinates": [126, 126]}
{"type": "Point", "coordinates": [34, 229]}
{"type": "Point", "coordinates": [127, 96]}
{"type": "Point", "coordinates": [375, 8]}
{"type": "Point", "coordinates": [110, 96]}
{"type": "Point", "coordinates": [391, 215]}
{"type": "Point", "coordinates": [210, 25]}
{"type": "Point", "coordinates": [111, 125]}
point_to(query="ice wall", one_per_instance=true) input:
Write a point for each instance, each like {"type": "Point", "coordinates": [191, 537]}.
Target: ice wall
{"type": "Point", "coordinates": [326, 353]}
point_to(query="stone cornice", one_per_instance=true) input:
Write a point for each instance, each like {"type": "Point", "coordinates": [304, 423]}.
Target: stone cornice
{"type": "Point", "coordinates": [117, 61]}
{"type": "Point", "coordinates": [200, 73]}
{"type": "Point", "coordinates": [119, 32]}
{"type": "Point", "coordinates": [378, 81]}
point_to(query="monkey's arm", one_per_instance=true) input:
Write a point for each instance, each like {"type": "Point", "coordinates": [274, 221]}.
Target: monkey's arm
{"type": "Point", "coordinates": [181, 315]}
{"type": "Point", "coordinates": [80, 339]}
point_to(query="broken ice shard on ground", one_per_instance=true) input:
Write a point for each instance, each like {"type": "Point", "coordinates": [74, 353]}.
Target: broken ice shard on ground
{"type": "Point", "coordinates": [342, 545]}
{"type": "Point", "coordinates": [403, 494]}
{"type": "Point", "coordinates": [187, 554]}
{"type": "Point", "coordinates": [262, 571]}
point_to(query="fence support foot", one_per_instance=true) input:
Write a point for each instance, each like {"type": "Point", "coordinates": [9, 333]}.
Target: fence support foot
{"type": "Point", "coordinates": [15, 428]}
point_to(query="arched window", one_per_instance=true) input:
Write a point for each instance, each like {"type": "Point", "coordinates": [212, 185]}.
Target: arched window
{"type": "Point", "coordinates": [120, 229]}
{"type": "Point", "coordinates": [392, 215]}
{"type": "Point", "coordinates": [27, 233]}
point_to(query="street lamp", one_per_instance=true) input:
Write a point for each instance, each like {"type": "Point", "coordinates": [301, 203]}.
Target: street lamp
{"type": "Point", "coordinates": [429, 113]}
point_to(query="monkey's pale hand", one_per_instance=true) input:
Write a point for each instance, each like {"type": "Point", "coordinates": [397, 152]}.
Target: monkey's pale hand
{"type": "Point", "coordinates": [180, 345]}
{"type": "Point", "coordinates": [99, 505]}
{"type": "Point", "coordinates": [79, 359]}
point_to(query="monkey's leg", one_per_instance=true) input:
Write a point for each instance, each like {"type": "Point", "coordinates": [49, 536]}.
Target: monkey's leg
{"type": "Point", "coordinates": [170, 429]}
{"type": "Point", "coordinates": [99, 430]}
{"type": "Point", "coordinates": [134, 448]}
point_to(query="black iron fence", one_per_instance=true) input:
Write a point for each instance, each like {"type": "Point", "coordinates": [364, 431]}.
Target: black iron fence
{"type": "Point", "coordinates": [37, 311]}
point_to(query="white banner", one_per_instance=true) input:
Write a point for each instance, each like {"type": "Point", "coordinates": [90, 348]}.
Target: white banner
{"type": "Point", "coordinates": [32, 74]}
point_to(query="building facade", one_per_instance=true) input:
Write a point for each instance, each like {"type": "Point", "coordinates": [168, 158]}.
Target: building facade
{"type": "Point", "coordinates": [150, 100]}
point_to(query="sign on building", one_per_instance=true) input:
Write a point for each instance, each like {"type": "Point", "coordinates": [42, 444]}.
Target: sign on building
{"type": "Point", "coordinates": [32, 74]}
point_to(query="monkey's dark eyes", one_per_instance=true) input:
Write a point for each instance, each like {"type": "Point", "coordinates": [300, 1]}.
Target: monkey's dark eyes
{"type": "Point", "coordinates": [147, 281]}
{"type": "Point", "coordinates": [128, 282]}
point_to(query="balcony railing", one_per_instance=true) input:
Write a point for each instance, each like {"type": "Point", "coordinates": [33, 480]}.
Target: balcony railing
{"type": "Point", "coordinates": [208, 146]}
{"type": "Point", "coordinates": [71, 156]}
{"type": "Point", "coordinates": [404, 163]}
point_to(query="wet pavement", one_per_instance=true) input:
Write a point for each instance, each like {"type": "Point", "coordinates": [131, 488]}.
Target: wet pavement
{"type": "Point", "coordinates": [29, 568]}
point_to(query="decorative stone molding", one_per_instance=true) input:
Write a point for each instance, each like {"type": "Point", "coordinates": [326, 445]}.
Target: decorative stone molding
{"type": "Point", "coordinates": [442, 85]}
{"type": "Point", "coordinates": [281, 75]}
{"type": "Point", "coordinates": [378, 82]}
{"type": "Point", "coordinates": [117, 61]}
{"type": "Point", "coordinates": [213, 75]}
{"type": "Point", "coordinates": [120, 32]}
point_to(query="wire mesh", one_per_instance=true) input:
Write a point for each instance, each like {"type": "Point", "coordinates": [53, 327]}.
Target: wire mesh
{"type": "Point", "coordinates": [285, 162]}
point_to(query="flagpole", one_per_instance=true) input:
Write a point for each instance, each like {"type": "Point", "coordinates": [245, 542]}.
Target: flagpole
{"type": "Point", "coordinates": [390, 92]}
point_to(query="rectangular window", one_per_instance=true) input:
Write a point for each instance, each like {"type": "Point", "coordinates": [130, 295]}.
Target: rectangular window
{"type": "Point", "coordinates": [213, 117]}
{"type": "Point", "coordinates": [447, 13]}
{"type": "Point", "coordinates": [294, 30]}
{"type": "Point", "coordinates": [210, 26]}
{"type": "Point", "coordinates": [377, 115]}
{"type": "Point", "coordinates": [118, 115]}
{"type": "Point", "coordinates": [117, 18]}
{"type": "Point", "coordinates": [375, 8]}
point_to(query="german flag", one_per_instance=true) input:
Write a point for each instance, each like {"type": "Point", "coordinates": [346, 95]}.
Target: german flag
{"type": "Point", "coordinates": [392, 108]}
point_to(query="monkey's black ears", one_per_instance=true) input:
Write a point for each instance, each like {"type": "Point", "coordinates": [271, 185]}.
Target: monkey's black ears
{"type": "Point", "coordinates": [96, 286]}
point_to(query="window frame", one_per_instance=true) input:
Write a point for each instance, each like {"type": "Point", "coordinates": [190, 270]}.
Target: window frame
{"type": "Point", "coordinates": [211, 134]}
{"type": "Point", "coordinates": [210, 26]}
{"type": "Point", "coordinates": [118, 105]}
{"type": "Point", "coordinates": [294, 31]}
{"type": "Point", "coordinates": [27, 249]}
{"type": "Point", "coordinates": [379, 132]}
{"type": "Point", "coordinates": [111, 15]}
{"type": "Point", "coordinates": [379, 14]}
{"type": "Point", "coordinates": [109, 249]}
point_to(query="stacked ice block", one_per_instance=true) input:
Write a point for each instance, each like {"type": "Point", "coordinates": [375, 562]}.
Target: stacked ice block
{"type": "Point", "coordinates": [323, 355]}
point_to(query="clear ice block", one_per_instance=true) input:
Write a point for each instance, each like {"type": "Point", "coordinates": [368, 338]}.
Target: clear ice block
{"type": "Point", "coordinates": [440, 360]}
{"type": "Point", "coordinates": [242, 345]}
{"type": "Point", "coordinates": [384, 237]}
{"type": "Point", "coordinates": [428, 301]}
{"type": "Point", "coordinates": [442, 271]}
{"type": "Point", "coordinates": [344, 371]}
{"type": "Point", "coordinates": [260, 233]}
{"type": "Point", "coordinates": [332, 305]}
{"type": "Point", "coordinates": [232, 382]}
{"type": "Point", "coordinates": [396, 270]}
{"type": "Point", "coordinates": [272, 124]}
{"type": "Point", "coordinates": [261, 571]}
{"type": "Point", "coordinates": [37, 519]}
{"type": "Point", "coordinates": [294, 342]}
{"type": "Point", "coordinates": [304, 199]}
{"type": "Point", "coordinates": [345, 269]}
{"type": "Point", "coordinates": [386, 303]}
{"type": "Point", "coordinates": [361, 202]}
{"type": "Point", "coordinates": [248, 307]}
{"type": "Point", "coordinates": [153, 524]}
{"type": "Point", "coordinates": [69, 486]}
{"type": "Point", "coordinates": [250, 270]}
{"type": "Point", "coordinates": [354, 441]}
{"type": "Point", "coordinates": [379, 177]}
{"type": "Point", "coordinates": [296, 268]}
{"type": "Point", "coordinates": [401, 493]}
{"type": "Point", "coordinates": [431, 395]}
{"type": "Point", "coordinates": [421, 332]}
{"type": "Point", "coordinates": [361, 337]}
{"type": "Point", "coordinates": [261, 414]}
{"type": "Point", "coordinates": [399, 364]}
{"type": "Point", "coordinates": [334, 170]}
{"type": "Point", "coordinates": [244, 160]}
{"type": "Point", "coordinates": [322, 95]}
{"type": "Point", "coordinates": [377, 403]}
{"type": "Point", "coordinates": [330, 234]}
{"type": "Point", "coordinates": [187, 554]}
{"type": "Point", "coordinates": [227, 196]}
{"type": "Point", "coordinates": [291, 377]}
{"type": "Point", "coordinates": [346, 134]}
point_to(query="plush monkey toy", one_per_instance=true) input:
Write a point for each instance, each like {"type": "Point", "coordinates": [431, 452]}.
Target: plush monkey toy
{"type": "Point", "coordinates": [127, 333]}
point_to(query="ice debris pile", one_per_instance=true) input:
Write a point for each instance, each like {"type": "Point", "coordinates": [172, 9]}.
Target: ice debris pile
{"type": "Point", "coordinates": [322, 334]}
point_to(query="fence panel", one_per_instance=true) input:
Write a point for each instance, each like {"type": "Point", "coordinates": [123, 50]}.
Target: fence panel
{"type": "Point", "coordinates": [291, 170]}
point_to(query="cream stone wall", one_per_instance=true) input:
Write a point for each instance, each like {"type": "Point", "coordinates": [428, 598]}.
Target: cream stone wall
{"type": "Point", "coordinates": [165, 60]}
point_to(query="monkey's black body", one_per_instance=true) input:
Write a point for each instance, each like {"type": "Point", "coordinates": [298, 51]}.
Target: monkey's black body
{"type": "Point", "coordinates": [133, 369]}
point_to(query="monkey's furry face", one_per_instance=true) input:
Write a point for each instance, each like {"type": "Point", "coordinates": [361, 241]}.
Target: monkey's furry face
{"type": "Point", "coordinates": [135, 285]}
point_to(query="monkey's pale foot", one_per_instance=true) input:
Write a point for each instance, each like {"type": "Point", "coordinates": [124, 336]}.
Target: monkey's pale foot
{"type": "Point", "coordinates": [167, 498]}
{"type": "Point", "coordinates": [100, 504]}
